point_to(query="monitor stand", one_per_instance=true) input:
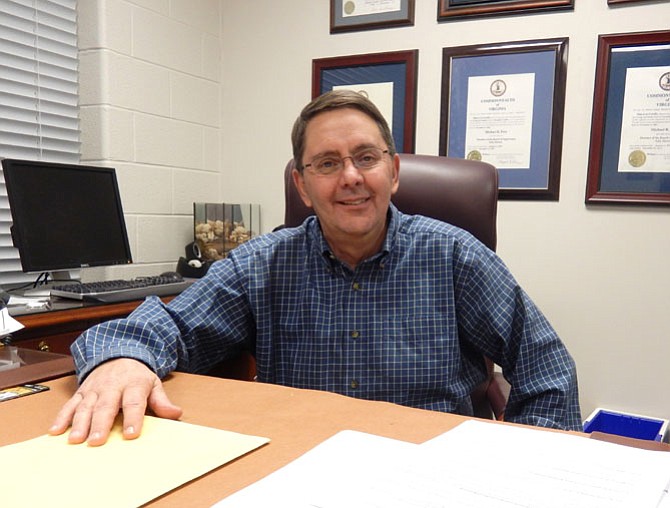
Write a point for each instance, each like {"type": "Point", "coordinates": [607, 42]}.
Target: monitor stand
{"type": "Point", "coordinates": [56, 278]}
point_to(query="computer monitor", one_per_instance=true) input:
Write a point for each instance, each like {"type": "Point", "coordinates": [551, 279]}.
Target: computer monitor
{"type": "Point", "coordinates": [65, 216]}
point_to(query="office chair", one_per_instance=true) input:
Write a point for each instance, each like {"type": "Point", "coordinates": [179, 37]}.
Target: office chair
{"type": "Point", "coordinates": [459, 191]}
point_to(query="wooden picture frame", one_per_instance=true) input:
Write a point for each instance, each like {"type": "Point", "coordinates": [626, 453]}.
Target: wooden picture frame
{"type": "Point", "coordinates": [389, 79]}
{"type": "Point", "coordinates": [629, 153]}
{"type": "Point", "coordinates": [614, 2]}
{"type": "Point", "coordinates": [504, 103]}
{"type": "Point", "coordinates": [357, 15]}
{"type": "Point", "coordinates": [452, 9]}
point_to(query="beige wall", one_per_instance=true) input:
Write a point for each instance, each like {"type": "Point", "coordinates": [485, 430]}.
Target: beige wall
{"type": "Point", "coordinates": [151, 76]}
{"type": "Point", "coordinates": [150, 79]}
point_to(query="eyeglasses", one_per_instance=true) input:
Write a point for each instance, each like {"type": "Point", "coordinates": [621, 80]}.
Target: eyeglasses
{"type": "Point", "coordinates": [364, 159]}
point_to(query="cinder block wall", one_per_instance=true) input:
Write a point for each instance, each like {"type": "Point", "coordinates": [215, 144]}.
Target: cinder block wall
{"type": "Point", "coordinates": [150, 76]}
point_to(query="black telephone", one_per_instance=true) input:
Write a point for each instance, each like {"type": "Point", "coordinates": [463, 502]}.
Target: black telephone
{"type": "Point", "coordinates": [192, 265]}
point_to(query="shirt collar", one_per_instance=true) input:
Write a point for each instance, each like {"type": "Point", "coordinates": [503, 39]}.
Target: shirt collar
{"type": "Point", "coordinates": [319, 241]}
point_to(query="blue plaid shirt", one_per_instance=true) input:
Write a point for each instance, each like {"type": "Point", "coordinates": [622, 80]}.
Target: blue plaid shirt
{"type": "Point", "coordinates": [409, 325]}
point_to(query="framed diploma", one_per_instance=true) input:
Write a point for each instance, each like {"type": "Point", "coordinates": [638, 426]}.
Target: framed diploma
{"type": "Point", "coordinates": [388, 79]}
{"type": "Point", "coordinates": [503, 103]}
{"type": "Point", "coordinates": [625, 1]}
{"type": "Point", "coordinates": [450, 9]}
{"type": "Point", "coordinates": [629, 154]}
{"type": "Point", "coordinates": [355, 15]}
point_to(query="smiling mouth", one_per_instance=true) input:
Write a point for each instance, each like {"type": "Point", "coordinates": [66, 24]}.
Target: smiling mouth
{"type": "Point", "coordinates": [354, 202]}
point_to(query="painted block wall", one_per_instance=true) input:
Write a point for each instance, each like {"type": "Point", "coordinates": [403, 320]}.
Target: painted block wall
{"type": "Point", "coordinates": [150, 78]}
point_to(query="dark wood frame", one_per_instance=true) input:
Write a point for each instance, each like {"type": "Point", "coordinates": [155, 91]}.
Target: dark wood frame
{"type": "Point", "coordinates": [447, 10]}
{"type": "Point", "coordinates": [599, 121]}
{"type": "Point", "coordinates": [371, 21]}
{"type": "Point", "coordinates": [559, 46]}
{"type": "Point", "coordinates": [611, 2]}
{"type": "Point", "coordinates": [409, 59]}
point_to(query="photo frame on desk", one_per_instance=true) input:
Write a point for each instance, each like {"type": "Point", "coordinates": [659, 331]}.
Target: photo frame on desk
{"type": "Point", "coordinates": [452, 9]}
{"type": "Point", "coordinates": [503, 103]}
{"type": "Point", "coordinates": [629, 154]}
{"type": "Point", "coordinates": [388, 79]}
{"type": "Point", "coordinates": [357, 15]}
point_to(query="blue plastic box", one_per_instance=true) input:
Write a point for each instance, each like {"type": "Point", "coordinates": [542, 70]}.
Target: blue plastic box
{"type": "Point", "coordinates": [626, 424]}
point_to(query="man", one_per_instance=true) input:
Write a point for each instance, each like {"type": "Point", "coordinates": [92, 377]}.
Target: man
{"type": "Point", "coordinates": [361, 300]}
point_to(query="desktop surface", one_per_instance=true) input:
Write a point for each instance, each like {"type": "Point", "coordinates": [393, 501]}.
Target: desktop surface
{"type": "Point", "coordinates": [296, 421]}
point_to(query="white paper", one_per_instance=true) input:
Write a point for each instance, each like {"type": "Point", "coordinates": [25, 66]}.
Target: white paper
{"type": "Point", "coordinates": [8, 324]}
{"type": "Point", "coordinates": [552, 469]}
{"type": "Point", "coordinates": [328, 475]}
{"type": "Point", "coordinates": [500, 119]}
{"type": "Point", "coordinates": [365, 7]}
{"type": "Point", "coordinates": [645, 125]}
{"type": "Point", "coordinates": [476, 465]}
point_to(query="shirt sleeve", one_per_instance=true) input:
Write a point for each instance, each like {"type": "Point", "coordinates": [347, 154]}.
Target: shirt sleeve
{"type": "Point", "coordinates": [192, 333]}
{"type": "Point", "coordinates": [499, 319]}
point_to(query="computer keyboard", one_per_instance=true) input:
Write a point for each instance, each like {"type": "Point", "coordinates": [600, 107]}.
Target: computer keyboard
{"type": "Point", "coordinates": [123, 290]}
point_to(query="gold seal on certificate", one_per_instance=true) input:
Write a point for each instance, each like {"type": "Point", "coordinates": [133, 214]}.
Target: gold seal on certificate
{"type": "Point", "coordinates": [664, 82]}
{"type": "Point", "coordinates": [474, 155]}
{"type": "Point", "coordinates": [498, 88]}
{"type": "Point", "coordinates": [637, 158]}
{"type": "Point", "coordinates": [349, 8]}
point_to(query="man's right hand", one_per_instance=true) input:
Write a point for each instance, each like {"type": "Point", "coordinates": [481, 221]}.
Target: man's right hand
{"type": "Point", "coordinates": [124, 384]}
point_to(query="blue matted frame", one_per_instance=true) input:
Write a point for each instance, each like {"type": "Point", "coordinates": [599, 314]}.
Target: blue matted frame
{"type": "Point", "coordinates": [605, 183]}
{"type": "Point", "coordinates": [397, 67]}
{"type": "Point", "coordinates": [547, 61]}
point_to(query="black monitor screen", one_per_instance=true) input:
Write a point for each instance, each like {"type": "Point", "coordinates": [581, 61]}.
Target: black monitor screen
{"type": "Point", "coordinates": [65, 215]}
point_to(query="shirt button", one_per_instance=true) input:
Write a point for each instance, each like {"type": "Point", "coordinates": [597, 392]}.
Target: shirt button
{"type": "Point", "coordinates": [355, 334]}
{"type": "Point", "coordinates": [356, 286]}
{"type": "Point", "coordinates": [353, 384]}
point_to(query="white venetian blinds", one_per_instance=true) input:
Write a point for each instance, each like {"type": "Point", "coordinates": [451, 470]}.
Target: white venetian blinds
{"type": "Point", "coordinates": [39, 107]}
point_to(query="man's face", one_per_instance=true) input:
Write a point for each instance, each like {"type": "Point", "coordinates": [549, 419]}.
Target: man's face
{"type": "Point", "coordinates": [351, 204]}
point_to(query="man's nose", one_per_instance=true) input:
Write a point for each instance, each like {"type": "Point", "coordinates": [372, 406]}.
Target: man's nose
{"type": "Point", "coordinates": [350, 172]}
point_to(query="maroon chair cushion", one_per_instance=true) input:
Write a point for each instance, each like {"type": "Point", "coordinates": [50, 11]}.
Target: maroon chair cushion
{"type": "Point", "coordinates": [458, 191]}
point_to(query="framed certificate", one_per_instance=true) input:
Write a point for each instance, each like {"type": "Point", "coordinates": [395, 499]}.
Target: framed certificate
{"type": "Point", "coordinates": [355, 15]}
{"type": "Point", "coordinates": [450, 9]}
{"type": "Point", "coordinates": [629, 154]}
{"type": "Point", "coordinates": [388, 79]}
{"type": "Point", "coordinates": [503, 103]}
{"type": "Point", "coordinates": [610, 2]}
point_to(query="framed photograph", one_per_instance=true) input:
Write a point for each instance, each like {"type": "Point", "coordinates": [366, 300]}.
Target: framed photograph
{"type": "Point", "coordinates": [356, 15]}
{"type": "Point", "coordinates": [629, 155]}
{"type": "Point", "coordinates": [503, 103]}
{"type": "Point", "coordinates": [388, 79]}
{"type": "Point", "coordinates": [450, 9]}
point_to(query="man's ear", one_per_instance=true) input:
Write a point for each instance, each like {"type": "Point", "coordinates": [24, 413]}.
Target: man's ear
{"type": "Point", "coordinates": [395, 177]}
{"type": "Point", "coordinates": [299, 181]}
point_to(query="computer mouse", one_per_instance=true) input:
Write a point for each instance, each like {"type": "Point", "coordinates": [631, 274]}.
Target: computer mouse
{"type": "Point", "coordinates": [172, 276]}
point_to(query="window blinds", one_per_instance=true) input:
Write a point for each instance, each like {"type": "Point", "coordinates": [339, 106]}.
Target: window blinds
{"type": "Point", "coordinates": [39, 107]}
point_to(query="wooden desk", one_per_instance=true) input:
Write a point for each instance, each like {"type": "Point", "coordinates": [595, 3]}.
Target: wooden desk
{"type": "Point", "coordinates": [54, 330]}
{"type": "Point", "coordinates": [37, 366]}
{"type": "Point", "coordinates": [295, 420]}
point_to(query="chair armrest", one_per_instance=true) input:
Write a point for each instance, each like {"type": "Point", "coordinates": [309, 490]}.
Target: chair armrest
{"type": "Point", "coordinates": [497, 394]}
